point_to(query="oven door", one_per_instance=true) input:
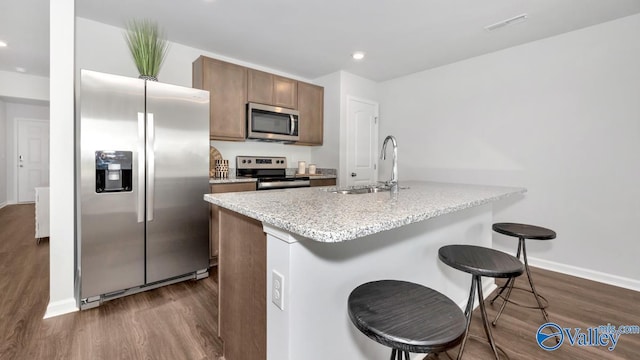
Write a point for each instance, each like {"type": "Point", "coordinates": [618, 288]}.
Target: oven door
{"type": "Point", "coordinates": [271, 184]}
{"type": "Point", "coordinates": [272, 123]}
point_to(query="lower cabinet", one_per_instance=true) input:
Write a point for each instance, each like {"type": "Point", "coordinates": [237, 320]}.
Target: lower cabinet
{"type": "Point", "coordinates": [322, 182]}
{"type": "Point", "coordinates": [214, 221]}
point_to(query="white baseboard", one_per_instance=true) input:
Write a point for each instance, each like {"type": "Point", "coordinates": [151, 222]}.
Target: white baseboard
{"type": "Point", "coordinates": [3, 204]}
{"type": "Point", "coordinates": [609, 279]}
{"type": "Point", "coordinates": [60, 308]}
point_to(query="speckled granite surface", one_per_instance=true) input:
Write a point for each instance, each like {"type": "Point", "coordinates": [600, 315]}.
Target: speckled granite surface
{"type": "Point", "coordinates": [328, 217]}
{"type": "Point", "coordinates": [230, 180]}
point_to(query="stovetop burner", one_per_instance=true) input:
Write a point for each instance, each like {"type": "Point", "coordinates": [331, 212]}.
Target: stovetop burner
{"type": "Point", "coordinates": [271, 172]}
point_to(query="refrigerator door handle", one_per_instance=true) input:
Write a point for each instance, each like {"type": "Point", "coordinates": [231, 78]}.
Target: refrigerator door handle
{"type": "Point", "coordinates": [151, 168]}
{"type": "Point", "coordinates": [141, 162]}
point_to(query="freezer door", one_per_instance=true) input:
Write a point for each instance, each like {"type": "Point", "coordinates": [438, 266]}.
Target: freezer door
{"type": "Point", "coordinates": [177, 179]}
{"type": "Point", "coordinates": [111, 223]}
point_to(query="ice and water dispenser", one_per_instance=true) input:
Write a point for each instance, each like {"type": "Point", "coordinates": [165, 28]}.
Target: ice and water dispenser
{"type": "Point", "coordinates": [113, 171]}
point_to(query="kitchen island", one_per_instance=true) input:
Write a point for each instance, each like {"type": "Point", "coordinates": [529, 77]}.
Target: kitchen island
{"type": "Point", "coordinates": [324, 244]}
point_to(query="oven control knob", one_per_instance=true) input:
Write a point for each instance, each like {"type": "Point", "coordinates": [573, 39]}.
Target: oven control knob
{"type": "Point", "coordinates": [249, 161]}
{"type": "Point", "coordinates": [244, 161]}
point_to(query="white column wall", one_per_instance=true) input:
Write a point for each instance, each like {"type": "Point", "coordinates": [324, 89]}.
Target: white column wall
{"type": "Point", "coordinates": [559, 116]}
{"type": "Point", "coordinates": [62, 229]}
{"type": "Point", "coordinates": [3, 154]}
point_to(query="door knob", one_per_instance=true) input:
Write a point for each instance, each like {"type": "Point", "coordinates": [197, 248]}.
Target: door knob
{"type": "Point", "coordinates": [354, 174]}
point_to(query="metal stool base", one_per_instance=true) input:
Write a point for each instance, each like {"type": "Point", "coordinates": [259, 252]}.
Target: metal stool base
{"type": "Point", "coordinates": [522, 249]}
{"type": "Point", "coordinates": [397, 355]}
{"type": "Point", "coordinates": [476, 285]}
{"type": "Point", "coordinates": [543, 300]}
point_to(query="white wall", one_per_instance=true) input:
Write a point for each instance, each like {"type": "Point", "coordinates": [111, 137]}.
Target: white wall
{"type": "Point", "coordinates": [559, 116]}
{"type": "Point", "coordinates": [23, 86]}
{"type": "Point", "coordinates": [328, 155]}
{"type": "Point", "coordinates": [3, 154]}
{"type": "Point", "coordinates": [24, 96]}
{"type": "Point", "coordinates": [16, 111]}
{"type": "Point", "coordinates": [338, 87]}
{"type": "Point", "coordinates": [61, 163]}
{"type": "Point", "coordinates": [356, 86]}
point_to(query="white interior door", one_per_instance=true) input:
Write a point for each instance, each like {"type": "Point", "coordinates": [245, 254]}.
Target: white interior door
{"type": "Point", "coordinates": [362, 141]}
{"type": "Point", "coordinates": [33, 158]}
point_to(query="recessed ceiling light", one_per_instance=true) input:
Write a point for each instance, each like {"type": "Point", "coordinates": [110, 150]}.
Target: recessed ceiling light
{"type": "Point", "coordinates": [3, 44]}
{"type": "Point", "coordinates": [21, 69]}
{"type": "Point", "coordinates": [514, 20]}
{"type": "Point", "coordinates": [358, 55]}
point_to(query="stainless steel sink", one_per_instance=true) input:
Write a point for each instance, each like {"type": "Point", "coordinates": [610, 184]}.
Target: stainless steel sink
{"type": "Point", "coordinates": [365, 190]}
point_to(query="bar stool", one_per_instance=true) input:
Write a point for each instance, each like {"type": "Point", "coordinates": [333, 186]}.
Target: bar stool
{"type": "Point", "coordinates": [522, 232]}
{"type": "Point", "coordinates": [480, 261]}
{"type": "Point", "coordinates": [406, 317]}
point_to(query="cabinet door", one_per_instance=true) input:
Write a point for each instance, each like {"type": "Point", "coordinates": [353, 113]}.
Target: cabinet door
{"type": "Point", "coordinates": [214, 226]}
{"type": "Point", "coordinates": [285, 92]}
{"type": "Point", "coordinates": [311, 108]}
{"type": "Point", "coordinates": [227, 86]}
{"type": "Point", "coordinates": [322, 182]}
{"type": "Point", "coordinates": [260, 87]}
{"type": "Point", "coordinates": [269, 89]}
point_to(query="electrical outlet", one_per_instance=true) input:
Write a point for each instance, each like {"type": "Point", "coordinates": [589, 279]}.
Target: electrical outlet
{"type": "Point", "coordinates": [277, 289]}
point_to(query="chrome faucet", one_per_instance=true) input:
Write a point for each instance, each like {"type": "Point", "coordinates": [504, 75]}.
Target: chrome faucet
{"type": "Point", "coordinates": [383, 155]}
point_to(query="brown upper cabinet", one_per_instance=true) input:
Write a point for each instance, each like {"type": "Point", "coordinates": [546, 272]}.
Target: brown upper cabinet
{"type": "Point", "coordinates": [311, 108]}
{"type": "Point", "coordinates": [227, 86]}
{"type": "Point", "coordinates": [270, 89]}
{"type": "Point", "coordinates": [231, 86]}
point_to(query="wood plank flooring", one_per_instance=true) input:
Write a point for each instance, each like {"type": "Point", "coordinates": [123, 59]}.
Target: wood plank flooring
{"type": "Point", "coordinates": [172, 322]}
{"type": "Point", "coordinates": [179, 321]}
{"type": "Point", "coordinates": [574, 303]}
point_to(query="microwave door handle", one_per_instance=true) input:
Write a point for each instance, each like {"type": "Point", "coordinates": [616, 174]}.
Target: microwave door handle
{"type": "Point", "coordinates": [293, 124]}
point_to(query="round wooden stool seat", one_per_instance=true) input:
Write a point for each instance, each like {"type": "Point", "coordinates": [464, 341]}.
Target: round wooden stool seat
{"type": "Point", "coordinates": [480, 261]}
{"type": "Point", "coordinates": [524, 231]}
{"type": "Point", "coordinates": [406, 317]}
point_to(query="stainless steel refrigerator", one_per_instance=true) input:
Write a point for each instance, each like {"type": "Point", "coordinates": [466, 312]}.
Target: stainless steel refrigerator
{"type": "Point", "coordinates": [142, 169]}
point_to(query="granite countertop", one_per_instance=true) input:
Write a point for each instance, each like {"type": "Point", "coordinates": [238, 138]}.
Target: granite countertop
{"type": "Point", "coordinates": [231, 179]}
{"type": "Point", "coordinates": [323, 216]}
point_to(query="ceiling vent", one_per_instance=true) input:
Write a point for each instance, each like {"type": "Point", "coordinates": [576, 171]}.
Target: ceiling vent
{"type": "Point", "coordinates": [500, 24]}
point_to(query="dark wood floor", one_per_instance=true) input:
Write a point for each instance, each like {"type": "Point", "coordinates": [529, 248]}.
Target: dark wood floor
{"type": "Point", "coordinates": [172, 322]}
{"type": "Point", "coordinates": [178, 321]}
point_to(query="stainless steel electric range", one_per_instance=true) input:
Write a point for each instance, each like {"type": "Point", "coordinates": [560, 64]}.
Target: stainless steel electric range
{"type": "Point", "coordinates": [271, 172]}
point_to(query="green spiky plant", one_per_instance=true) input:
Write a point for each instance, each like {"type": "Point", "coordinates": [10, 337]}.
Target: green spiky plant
{"type": "Point", "coordinates": [147, 45]}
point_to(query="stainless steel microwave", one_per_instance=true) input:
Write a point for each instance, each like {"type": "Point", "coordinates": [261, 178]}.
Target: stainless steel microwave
{"type": "Point", "coordinates": [272, 123]}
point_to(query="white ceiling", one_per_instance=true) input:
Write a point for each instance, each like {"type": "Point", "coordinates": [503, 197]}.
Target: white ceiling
{"type": "Point", "coordinates": [313, 38]}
